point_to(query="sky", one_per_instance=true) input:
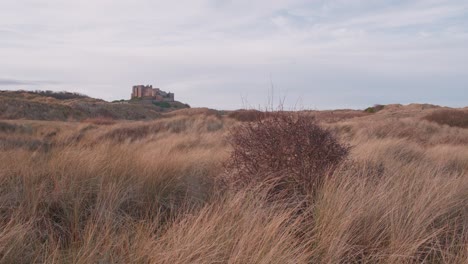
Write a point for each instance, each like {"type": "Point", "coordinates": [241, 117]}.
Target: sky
{"type": "Point", "coordinates": [230, 54]}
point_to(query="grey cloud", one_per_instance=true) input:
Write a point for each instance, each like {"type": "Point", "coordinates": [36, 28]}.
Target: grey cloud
{"type": "Point", "coordinates": [10, 82]}
{"type": "Point", "coordinates": [212, 53]}
{"type": "Point", "coordinates": [14, 82]}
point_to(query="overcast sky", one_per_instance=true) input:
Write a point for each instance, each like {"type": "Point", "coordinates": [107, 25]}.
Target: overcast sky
{"type": "Point", "coordinates": [227, 54]}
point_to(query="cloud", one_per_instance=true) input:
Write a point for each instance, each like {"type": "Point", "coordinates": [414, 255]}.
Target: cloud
{"type": "Point", "coordinates": [316, 50]}
{"type": "Point", "coordinates": [13, 82]}
{"type": "Point", "coordinates": [4, 82]}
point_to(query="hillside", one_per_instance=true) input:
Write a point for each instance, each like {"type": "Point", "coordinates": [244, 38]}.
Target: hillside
{"type": "Point", "coordinates": [71, 106]}
{"type": "Point", "coordinates": [207, 186]}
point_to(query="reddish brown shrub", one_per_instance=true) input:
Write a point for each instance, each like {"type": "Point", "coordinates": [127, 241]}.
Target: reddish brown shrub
{"type": "Point", "coordinates": [289, 149]}
{"type": "Point", "coordinates": [450, 117]}
{"type": "Point", "coordinates": [247, 115]}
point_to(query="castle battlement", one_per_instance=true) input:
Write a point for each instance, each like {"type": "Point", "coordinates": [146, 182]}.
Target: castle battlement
{"type": "Point", "coordinates": [148, 92]}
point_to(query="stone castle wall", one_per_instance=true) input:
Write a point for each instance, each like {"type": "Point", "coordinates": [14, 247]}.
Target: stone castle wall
{"type": "Point", "coordinates": [148, 92]}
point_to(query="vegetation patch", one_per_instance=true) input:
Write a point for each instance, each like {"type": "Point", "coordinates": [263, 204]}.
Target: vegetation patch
{"type": "Point", "coordinates": [147, 192]}
{"type": "Point", "coordinates": [290, 149]}
{"type": "Point", "coordinates": [162, 104]}
{"type": "Point", "coordinates": [247, 115]}
{"type": "Point", "coordinates": [374, 109]}
{"type": "Point", "coordinates": [450, 117]}
{"type": "Point", "coordinates": [105, 121]}
{"type": "Point", "coordinates": [128, 133]}
{"type": "Point", "coordinates": [13, 128]}
{"type": "Point", "coordinates": [20, 143]}
{"type": "Point", "coordinates": [7, 127]}
{"type": "Point", "coordinates": [62, 95]}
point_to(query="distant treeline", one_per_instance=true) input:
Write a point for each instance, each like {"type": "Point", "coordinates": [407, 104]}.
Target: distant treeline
{"type": "Point", "coordinates": [63, 95]}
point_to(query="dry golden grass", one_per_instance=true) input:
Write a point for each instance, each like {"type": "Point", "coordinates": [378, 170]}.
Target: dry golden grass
{"type": "Point", "coordinates": [147, 192]}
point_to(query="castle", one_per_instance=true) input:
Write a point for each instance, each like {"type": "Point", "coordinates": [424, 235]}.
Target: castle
{"type": "Point", "coordinates": [148, 92]}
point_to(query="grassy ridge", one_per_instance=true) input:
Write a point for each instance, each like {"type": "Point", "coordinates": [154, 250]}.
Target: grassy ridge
{"type": "Point", "coordinates": [64, 106]}
{"type": "Point", "coordinates": [149, 192]}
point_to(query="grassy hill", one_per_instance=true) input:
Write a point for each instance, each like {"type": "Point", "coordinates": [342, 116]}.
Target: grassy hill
{"type": "Point", "coordinates": [47, 105]}
{"type": "Point", "coordinates": [159, 191]}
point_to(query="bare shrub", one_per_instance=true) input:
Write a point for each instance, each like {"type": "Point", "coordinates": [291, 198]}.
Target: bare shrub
{"type": "Point", "coordinates": [244, 115]}
{"type": "Point", "coordinates": [450, 117]}
{"type": "Point", "coordinates": [290, 149]}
